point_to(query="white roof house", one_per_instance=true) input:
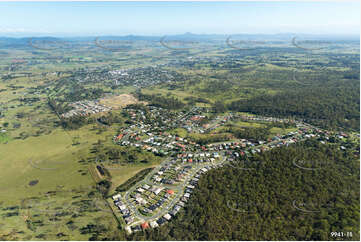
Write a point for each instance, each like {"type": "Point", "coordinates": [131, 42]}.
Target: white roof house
{"type": "Point", "coordinates": [167, 216]}
{"type": "Point", "coordinates": [128, 229]}
{"type": "Point", "coordinates": [141, 200]}
{"type": "Point", "coordinates": [122, 207]}
{"type": "Point", "coordinates": [157, 191]}
{"type": "Point", "coordinates": [141, 190]}
{"type": "Point", "coordinates": [116, 197]}
{"type": "Point", "coordinates": [153, 224]}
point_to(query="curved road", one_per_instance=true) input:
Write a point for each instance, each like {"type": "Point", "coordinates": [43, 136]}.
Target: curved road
{"type": "Point", "coordinates": [179, 189]}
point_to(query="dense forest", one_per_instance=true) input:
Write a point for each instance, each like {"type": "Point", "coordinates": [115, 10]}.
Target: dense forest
{"type": "Point", "coordinates": [327, 107]}
{"type": "Point", "coordinates": [274, 201]}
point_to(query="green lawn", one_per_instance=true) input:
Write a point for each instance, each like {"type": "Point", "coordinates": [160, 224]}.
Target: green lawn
{"type": "Point", "coordinates": [119, 176]}
{"type": "Point", "coordinates": [249, 124]}
{"type": "Point", "coordinates": [275, 131]}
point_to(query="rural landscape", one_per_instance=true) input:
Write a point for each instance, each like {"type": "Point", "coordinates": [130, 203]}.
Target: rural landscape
{"type": "Point", "coordinates": [180, 137]}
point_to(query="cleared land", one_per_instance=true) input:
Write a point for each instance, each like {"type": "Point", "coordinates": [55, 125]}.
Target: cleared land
{"type": "Point", "coordinates": [119, 101]}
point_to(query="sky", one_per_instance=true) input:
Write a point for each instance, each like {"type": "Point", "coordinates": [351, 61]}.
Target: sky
{"type": "Point", "coordinates": [160, 18]}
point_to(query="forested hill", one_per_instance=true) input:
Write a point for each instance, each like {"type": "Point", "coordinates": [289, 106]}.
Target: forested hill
{"type": "Point", "coordinates": [275, 201]}
{"type": "Point", "coordinates": [327, 107]}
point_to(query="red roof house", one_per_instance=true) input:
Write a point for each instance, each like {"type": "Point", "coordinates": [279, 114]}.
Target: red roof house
{"type": "Point", "coordinates": [145, 225]}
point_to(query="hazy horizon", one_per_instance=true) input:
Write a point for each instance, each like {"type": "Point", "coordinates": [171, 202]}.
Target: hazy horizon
{"type": "Point", "coordinates": [72, 19]}
{"type": "Point", "coordinates": [40, 35]}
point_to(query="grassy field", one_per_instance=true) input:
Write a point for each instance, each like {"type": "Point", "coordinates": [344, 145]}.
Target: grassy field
{"type": "Point", "coordinates": [32, 168]}
{"type": "Point", "coordinates": [121, 175]}
{"type": "Point", "coordinates": [275, 131]}
{"type": "Point", "coordinates": [53, 153]}
{"type": "Point", "coordinates": [249, 124]}
{"type": "Point", "coordinates": [39, 158]}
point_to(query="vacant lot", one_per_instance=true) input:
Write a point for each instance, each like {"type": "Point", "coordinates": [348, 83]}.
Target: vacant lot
{"type": "Point", "coordinates": [119, 101]}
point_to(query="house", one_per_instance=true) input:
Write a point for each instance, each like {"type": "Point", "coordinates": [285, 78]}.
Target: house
{"type": "Point", "coordinates": [128, 229]}
{"type": "Point", "coordinates": [141, 200]}
{"type": "Point", "coordinates": [167, 217]}
{"type": "Point", "coordinates": [157, 190]}
{"type": "Point", "coordinates": [122, 207]}
{"type": "Point", "coordinates": [188, 190]}
{"type": "Point", "coordinates": [144, 225]}
{"type": "Point", "coordinates": [136, 228]}
{"type": "Point", "coordinates": [146, 186]}
{"type": "Point", "coordinates": [147, 210]}
{"type": "Point", "coordinates": [181, 204]}
{"type": "Point", "coordinates": [124, 211]}
{"type": "Point", "coordinates": [120, 136]}
{"type": "Point", "coordinates": [173, 212]}
{"type": "Point", "coordinates": [117, 197]}
{"type": "Point", "coordinates": [129, 220]}
{"type": "Point", "coordinates": [141, 190]}
{"type": "Point", "coordinates": [118, 203]}
{"type": "Point", "coordinates": [171, 192]}
{"type": "Point", "coordinates": [153, 224]}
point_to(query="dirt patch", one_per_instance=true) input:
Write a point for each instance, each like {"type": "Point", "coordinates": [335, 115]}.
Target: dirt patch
{"type": "Point", "coordinates": [119, 101]}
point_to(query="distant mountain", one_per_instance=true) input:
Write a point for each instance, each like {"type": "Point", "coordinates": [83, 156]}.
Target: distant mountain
{"type": "Point", "coordinates": [12, 42]}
